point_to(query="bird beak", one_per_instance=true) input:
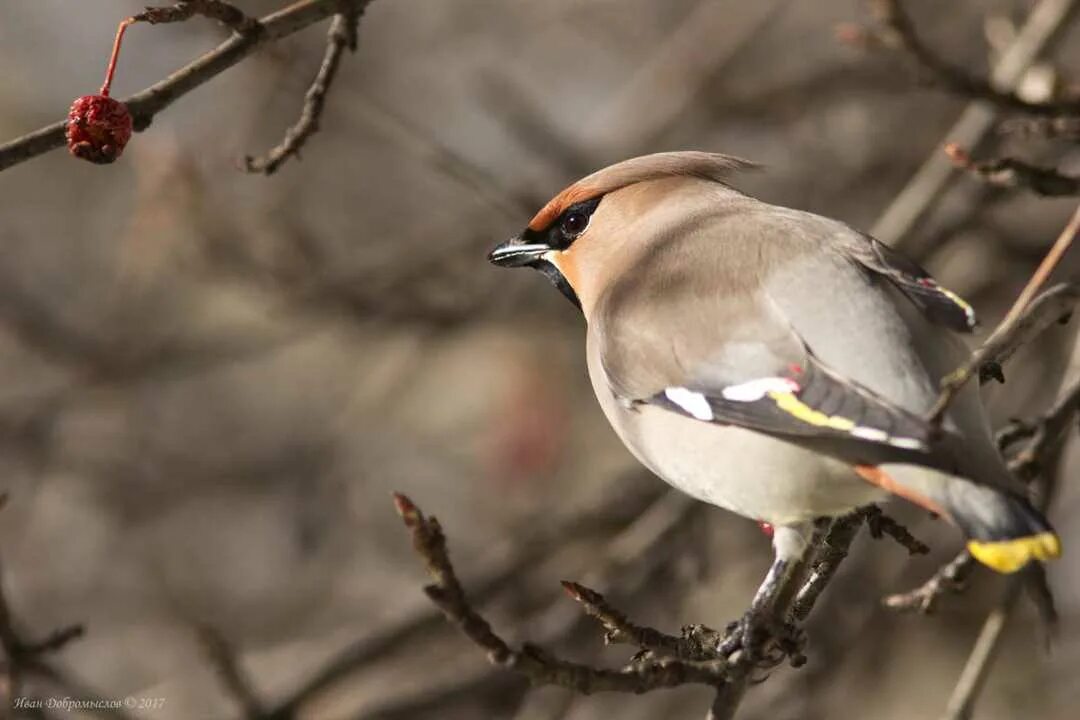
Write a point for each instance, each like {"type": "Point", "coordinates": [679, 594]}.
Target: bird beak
{"type": "Point", "coordinates": [515, 253]}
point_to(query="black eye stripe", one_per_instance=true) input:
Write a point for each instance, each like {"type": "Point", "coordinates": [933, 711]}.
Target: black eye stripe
{"type": "Point", "coordinates": [573, 221]}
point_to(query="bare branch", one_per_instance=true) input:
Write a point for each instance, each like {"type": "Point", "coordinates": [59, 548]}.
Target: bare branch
{"type": "Point", "coordinates": [1043, 437]}
{"type": "Point", "coordinates": [619, 629]}
{"type": "Point", "coordinates": [1052, 306]}
{"type": "Point", "coordinates": [669, 661]}
{"type": "Point", "coordinates": [925, 189]}
{"type": "Point", "coordinates": [25, 656]}
{"type": "Point", "coordinates": [727, 701]}
{"type": "Point", "coordinates": [1042, 446]}
{"type": "Point", "coordinates": [833, 549]}
{"type": "Point", "coordinates": [226, 13]}
{"type": "Point", "coordinates": [536, 664]}
{"type": "Point", "coordinates": [520, 553]}
{"type": "Point", "coordinates": [232, 676]}
{"type": "Point", "coordinates": [342, 35]}
{"type": "Point", "coordinates": [144, 105]}
{"type": "Point", "coordinates": [979, 662]}
{"type": "Point", "coordinates": [1048, 127]}
{"type": "Point", "coordinates": [1008, 172]}
{"type": "Point", "coordinates": [879, 524]}
{"type": "Point", "coordinates": [1046, 435]}
{"type": "Point", "coordinates": [951, 578]}
{"type": "Point", "coordinates": [902, 33]}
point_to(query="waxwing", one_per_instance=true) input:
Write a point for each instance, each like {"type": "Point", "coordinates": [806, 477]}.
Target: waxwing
{"type": "Point", "coordinates": [771, 361]}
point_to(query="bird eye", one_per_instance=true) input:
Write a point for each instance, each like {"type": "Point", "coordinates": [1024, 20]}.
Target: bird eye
{"type": "Point", "coordinates": [574, 223]}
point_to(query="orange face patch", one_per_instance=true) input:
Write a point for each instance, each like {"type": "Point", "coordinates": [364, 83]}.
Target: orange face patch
{"type": "Point", "coordinates": [564, 262]}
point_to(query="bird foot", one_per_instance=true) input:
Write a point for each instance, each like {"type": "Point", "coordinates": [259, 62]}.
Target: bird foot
{"type": "Point", "coordinates": [763, 641]}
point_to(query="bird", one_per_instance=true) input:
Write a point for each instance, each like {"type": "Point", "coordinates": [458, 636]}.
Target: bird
{"type": "Point", "coordinates": [773, 362]}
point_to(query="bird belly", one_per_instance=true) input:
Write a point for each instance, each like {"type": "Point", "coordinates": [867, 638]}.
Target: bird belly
{"type": "Point", "coordinates": [750, 473]}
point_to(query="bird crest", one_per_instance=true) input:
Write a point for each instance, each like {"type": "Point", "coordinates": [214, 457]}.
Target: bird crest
{"type": "Point", "coordinates": [708, 166]}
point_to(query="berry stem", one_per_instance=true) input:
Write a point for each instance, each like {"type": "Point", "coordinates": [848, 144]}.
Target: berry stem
{"type": "Point", "coordinates": [111, 70]}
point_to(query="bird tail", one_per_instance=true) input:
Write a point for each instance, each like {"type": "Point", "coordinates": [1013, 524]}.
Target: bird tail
{"type": "Point", "coordinates": [1004, 530]}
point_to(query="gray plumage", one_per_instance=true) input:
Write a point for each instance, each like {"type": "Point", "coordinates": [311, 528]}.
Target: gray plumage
{"type": "Point", "coordinates": [754, 355]}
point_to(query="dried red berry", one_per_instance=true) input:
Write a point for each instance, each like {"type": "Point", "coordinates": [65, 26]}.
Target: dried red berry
{"type": "Point", "coordinates": [98, 128]}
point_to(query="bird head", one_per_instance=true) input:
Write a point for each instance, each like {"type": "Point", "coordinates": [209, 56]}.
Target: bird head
{"type": "Point", "coordinates": [577, 238]}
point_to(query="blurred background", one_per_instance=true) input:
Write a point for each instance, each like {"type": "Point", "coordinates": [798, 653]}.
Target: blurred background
{"type": "Point", "coordinates": [212, 381]}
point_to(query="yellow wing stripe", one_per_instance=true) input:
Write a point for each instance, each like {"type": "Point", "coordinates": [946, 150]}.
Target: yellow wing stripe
{"type": "Point", "coordinates": [1008, 556]}
{"type": "Point", "coordinates": [792, 405]}
{"type": "Point", "coordinates": [964, 304]}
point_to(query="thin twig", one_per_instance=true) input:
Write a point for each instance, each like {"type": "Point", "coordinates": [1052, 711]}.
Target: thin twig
{"type": "Point", "coordinates": [631, 560]}
{"type": "Point", "coordinates": [1043, 437]}
{"type": "Point", "coordinates": [652, 670]}
{"type": "Point", "coordinates": [879, 524]}
{"type": "Point", "coordinates": [24, 656]}
{"type": "Point", "coordinates": [540, 667]}
{"type": "Point", "coordinates": [1048, 433]}
{"type": "Point", "coordinates": [226, 13]}
{"type": "Point", "coordinates": [1008, 172]}
{"type": "Point", "coordinates": [232, 675]}
{"type": "Point", "coordinates": [521, 553]}
{"type": "Point", "coordinates": [926, 187]}
{"type": "Point", "coordinates": [1042, 446]}
{"type": "Point", "coordinates": [962, 702]}
{"type": "Point", "coordinates": [901, 30]}
{"type": "Point", "coordinates": [1026, 319]}
{"type": "Point", "coordinates": [144, 105]}
{"type": "Point", "coordinates": [620, 630]}
{"type": "Point", "coordinates": [951, 578]}
{"type": "Point", "coordinates": [1047, 127]}
{"type": "Point", "coordinates": [342, 35]}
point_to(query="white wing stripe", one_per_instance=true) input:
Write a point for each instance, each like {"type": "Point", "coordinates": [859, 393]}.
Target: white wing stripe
{"type": "Point", "coordinates": [754, 390]}
{"type": "Point", "coordinates": [692, 402]}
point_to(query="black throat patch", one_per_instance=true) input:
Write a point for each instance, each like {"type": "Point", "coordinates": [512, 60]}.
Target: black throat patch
{"type": "Point", "coordinates": [558, 280]}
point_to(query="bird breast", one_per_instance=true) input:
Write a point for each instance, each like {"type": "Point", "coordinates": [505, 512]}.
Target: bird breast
{"type": "Point", "coordinates": [749, 473]}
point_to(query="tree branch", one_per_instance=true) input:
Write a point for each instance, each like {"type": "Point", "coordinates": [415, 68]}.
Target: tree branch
{"type": "Point", "coordinates": [521, 553]}
{"type": "Point", "coordinates": [902, 33]}
{"type": "Point", "coordinates": [1037, 460]}
{"type": "Point", "coordinates": [23, 656]}
{"type": "Point", "coordinates": [225, 13]}
{"type": "Point", "coordinates": [697, 642]}
{"type": "Point", "coordinates": [1048, 127]}
{"type": "Point", "coordinates": [951, 578]}
{"type": "Point", "coordinates": [1043, 437]}
{"type": "Point", "coordinates": [342, 35]}
{"type": "Point", "coordinates": [977, 668]}
{"type": "Point", "coordinates": [1054, 305]}
{"type": "Point", "coordinates": [879, 524]}
{"type": "Point", "coordinates": [668, 661]}
{"type": "Point", "coordinates": [1008, 172]}
{"type": "Point", "coordinates": [540, 667]}
{"type": "Point", "coordinates": [924, 190]}
{"type": "Point", "coordinates": [1046, 436]}
{"type": "Point", "coordinates": [232, 675]}
{"type": "Point", "coordinates": [144, 105]}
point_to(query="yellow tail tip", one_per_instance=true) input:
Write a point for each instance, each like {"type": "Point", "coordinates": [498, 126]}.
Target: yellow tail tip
{"type": "Point", "coordinates": [1008, 556]}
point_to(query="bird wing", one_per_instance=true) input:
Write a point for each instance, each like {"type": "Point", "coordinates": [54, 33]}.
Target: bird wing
{"type": "Point", "coordinates": [939, 304]}
{"type": "Point", "coordinates": [702, 338]}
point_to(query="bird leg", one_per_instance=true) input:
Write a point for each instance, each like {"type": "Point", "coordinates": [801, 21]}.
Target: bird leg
{"type": "Point", "coordinates": [763, 634]}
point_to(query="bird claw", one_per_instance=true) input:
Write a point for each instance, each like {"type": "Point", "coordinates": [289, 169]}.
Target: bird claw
{"type": "Point", "coordinates": [763, 641]}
